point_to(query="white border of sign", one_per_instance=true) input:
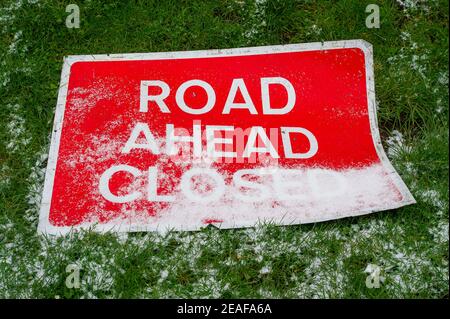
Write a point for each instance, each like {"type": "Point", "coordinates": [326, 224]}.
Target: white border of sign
{"type": "Point", "coordinates": [45, 227]}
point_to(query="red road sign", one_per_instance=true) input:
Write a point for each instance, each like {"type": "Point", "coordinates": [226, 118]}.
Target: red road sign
{"type": "Point", "coordinates": [178, 140]}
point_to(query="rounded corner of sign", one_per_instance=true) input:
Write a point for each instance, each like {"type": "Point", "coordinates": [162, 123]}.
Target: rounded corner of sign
{"type": "Point", "coordinates": [46, 228]}
{"type": "Point", "coordinates": [408, 198]}
{"type": "Point", "coordinates": [71, 60]}
{"type": "Point", "coordinates": [364, 46]}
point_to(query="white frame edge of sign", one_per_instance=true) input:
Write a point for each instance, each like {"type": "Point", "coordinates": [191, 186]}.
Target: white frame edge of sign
{"type": "Point", "coordinates": [44, 225]}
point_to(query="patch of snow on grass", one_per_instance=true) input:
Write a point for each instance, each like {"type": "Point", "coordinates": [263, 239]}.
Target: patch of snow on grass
{"type": "Point", "coordinates": [412, 6]}
{"type": "Point", "coordinates": [440, 232]}
{"type": "Point", "coordinates": [443, 78]}
{"type": "Point", "coordinates": [18, 135]}
{"type": "Point", "coordinates": [432, 197]}
{"type": "Point", "coordinates": [314, 30]}
{"type": "Point", "coordinates": [257, 21]}
{"type": "Point", "coordinates": [13, 46]}
{"type": "Point", "coordinates": [265, 270]}
{"type": "Point", "coordinates": [412, 54]}
{"type": "Point", "coordinates": [396, 145]}
{"type": "Point", "coordinates": [163, 275]}
{"type": "Point", "coordinates": [8, 15]}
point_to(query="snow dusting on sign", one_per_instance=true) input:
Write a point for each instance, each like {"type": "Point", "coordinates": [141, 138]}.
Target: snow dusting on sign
{"type": "Point", "coordinates": [180, 140]}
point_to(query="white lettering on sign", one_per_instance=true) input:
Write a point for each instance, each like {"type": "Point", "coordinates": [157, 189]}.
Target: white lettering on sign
{"type": "Point", "coordinates": [230, 104]}
{"type": "Point", "coordinates": [251, 144]}
{"type": "Point", "coordinates": [172, 139]}
{"type": "Point", "coordinates": [236, 85]}
{"type": "Point", "coordinates": [267, 109]}
{"type": "Point", "coordinates": [203, 197]}
{"type": "Point", "coordinates": [258, 142]}
{"type": "Point", "coordinates": [104, 184]}
{"type": "Point", "coordinates": [262, 191]}
{"type": "Point", "coordinates": [159, 98]}
{"type": "Point", "coordinates": [205, 86]}
{"type": "Point", "coordinates": [313, 145]}
{"type": "Point", "coordinates": [213, 141]}
{"type": "Point", "coordinates": [148, 141]}
{"type": "Point", "coordinates": [286, 183]}
{"type": "Point", "coordinates": [152, 188]}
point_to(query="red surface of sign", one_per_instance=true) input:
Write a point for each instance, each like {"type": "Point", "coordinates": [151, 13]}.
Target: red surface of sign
{"type": "Point", "coordinates": [161, 141]}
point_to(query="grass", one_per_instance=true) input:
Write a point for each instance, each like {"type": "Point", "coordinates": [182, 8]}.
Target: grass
{"type": "Point", "coordinates": [323, 260]}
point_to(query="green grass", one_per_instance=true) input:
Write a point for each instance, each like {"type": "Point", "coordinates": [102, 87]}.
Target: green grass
{"type": "Point", "coordinates": [317, 260]}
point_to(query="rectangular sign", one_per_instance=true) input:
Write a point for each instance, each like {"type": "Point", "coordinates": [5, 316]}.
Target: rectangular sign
{"type": "Point", "coordinates": [179, 140]}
